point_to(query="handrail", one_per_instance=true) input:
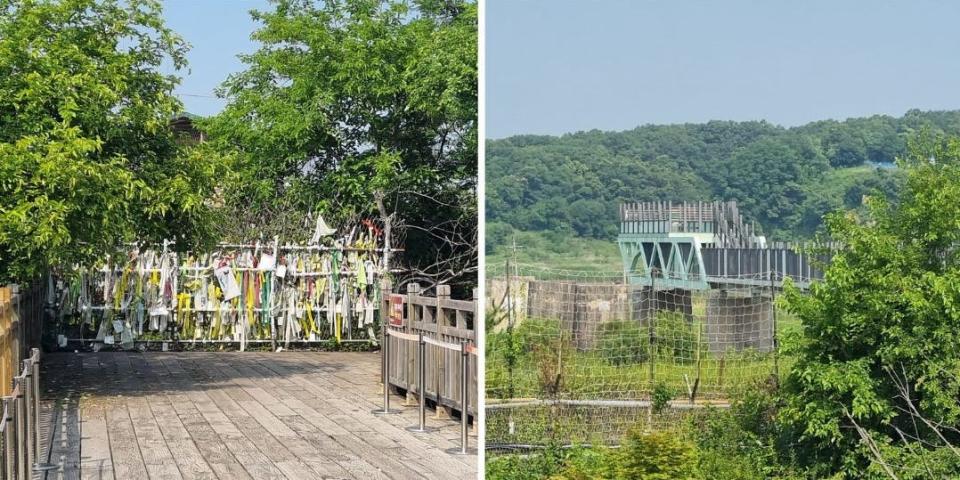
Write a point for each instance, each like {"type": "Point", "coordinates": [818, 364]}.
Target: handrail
{"type": "Point", "coordinates": [403, 336]}
{"type": "Point", "coordinates": [471, 348]}
{"type": "Point", "coordinates": [447, 345]}
{"type": "Point", "coordinates": [20, 426]}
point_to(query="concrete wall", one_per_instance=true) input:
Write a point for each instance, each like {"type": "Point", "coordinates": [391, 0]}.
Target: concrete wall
{"type": "Point", "coordinates": [498, 303]}
{"type": "Point", "coordinates": [596, 305]}
{"type": "Point", "coordinates": [738, 319]}
{"type": "Point", "coordinates": [646, 304]}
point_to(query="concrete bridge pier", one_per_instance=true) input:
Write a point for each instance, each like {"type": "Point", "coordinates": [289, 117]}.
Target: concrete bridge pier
{"type": "Point", "coordinates": [738, 319]}
{"type": "Point", "coordinates": [646, 303]}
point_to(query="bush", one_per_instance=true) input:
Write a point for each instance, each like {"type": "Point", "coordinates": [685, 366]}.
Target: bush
{"type": "Point", "coordinates": [623, 343]}
{"type": "Point", "coordinates": [676, 337]}
{"type": "Point", "coordinates": [585, 463]}
{"type": "Point", "coordinates": [745, 442]}
{"type": "Point", "coordinates": [534, 333]}
{"type": "Point", "coordinates": [655, 456]}
{"type": "Point", "coordinates": [555, 463]}
{"type": "Point", "coordinates": [531, 335]}
{"type": "Point", "coordinates": [660, 397]}
{"type": "Point", "coordinates": [526, 467]}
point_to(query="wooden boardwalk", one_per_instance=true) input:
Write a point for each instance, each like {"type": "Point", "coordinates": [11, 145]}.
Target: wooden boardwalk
{"type": "Point", "coordinates": [231, 415]}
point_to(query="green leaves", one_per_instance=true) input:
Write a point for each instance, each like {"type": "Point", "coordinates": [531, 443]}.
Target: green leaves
{"type": "Point", "coordinates": [349, 100]}
{"type": "Point", "coordinates": [880, 338]}
{"type": "Point", "coordinates": [88, 161]}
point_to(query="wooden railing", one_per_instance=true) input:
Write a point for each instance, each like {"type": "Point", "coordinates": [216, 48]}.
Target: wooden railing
{"type": "Point", "coordinates": [11, 338]}
{"type": "Point", "coordinates": [447, 321]}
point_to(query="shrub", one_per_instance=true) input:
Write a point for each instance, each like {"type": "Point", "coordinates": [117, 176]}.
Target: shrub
{"type": "Point", "coordinates": [534, 333]}
{"type": "Point", "coordinates": [552, 357]}
{"type": "Point", "coordinates": [586, 463]}
{"type": "Point", "coordinates": [526, 467]}
{"type": "Point", "coordinates": [655, 456]}
{"type": "Point", "coordinates": [623, 342]}
{"type": "Point", "coordinates": [660, 397]}
{"type": "Point", "coordinates": [676, 337]}
{"type": "Point", "coordinates": [745, 442]}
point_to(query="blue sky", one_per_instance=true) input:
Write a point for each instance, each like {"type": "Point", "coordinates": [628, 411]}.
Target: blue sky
{"type": "Point", "coordinates": [218, 31]}
{"type": "Point", "coordinates": [556, 66]}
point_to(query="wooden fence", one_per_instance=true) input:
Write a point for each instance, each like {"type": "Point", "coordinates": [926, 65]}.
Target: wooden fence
{"type": "Point", "coordinates": [442, 319]}
{"type": "Point", "coordinates": [20, 316]}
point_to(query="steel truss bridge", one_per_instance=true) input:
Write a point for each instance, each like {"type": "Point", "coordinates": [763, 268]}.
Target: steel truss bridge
{"type": "Point", "coordinates": [704, 245]}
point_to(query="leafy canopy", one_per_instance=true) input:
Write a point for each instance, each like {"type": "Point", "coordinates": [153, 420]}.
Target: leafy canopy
{"type": "Point", "coordinates": [88, 160]}
{"type": "Point", "coordinates": [348, 100]}
{"type": "Point", "coordinates": [785, 179]}
{"type": "Point", "coordinates": [885, 317]}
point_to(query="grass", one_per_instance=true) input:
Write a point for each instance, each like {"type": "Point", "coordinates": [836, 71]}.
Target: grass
{"type": "Point", "coordinates": [837, 181]}
{"type": "Point", "coordinates": [549, 250]}
{"type": "Point", "coordinates": [588, 375]}
{"type": "Point", "coordinates": [545, 365]}
{"type": "Point", "coordinates": [575, 425]}
{"type": "Point", "coordinates": [591, 374]}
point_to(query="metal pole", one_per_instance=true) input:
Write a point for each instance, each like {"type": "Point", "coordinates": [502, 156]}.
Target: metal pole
{"type": "Point", "coordinates": [385, 373]}
{"type": "Point", "coordinates": [464, 398]}
{"type": "Point", "coordinates": [29, 428]}
{"type": "Point", "coordinates": [651, 326]}
{"type": "Point", "coordinates": [464, 390]}
{"type": "Point", "coordinates": [38, 465]}
{"type": "Point", "coordinates": [8, 441]}
{"type": "Point", "coordinates": [386, 370]}
{"type": "Point", "coordinates": [384, 338]}
{"type": "Point", "coordinates": [21, 434]}
{"type": "Point", "coordinates": [421, 385]}
{"type": "Point", "coordinates": [423, 382]}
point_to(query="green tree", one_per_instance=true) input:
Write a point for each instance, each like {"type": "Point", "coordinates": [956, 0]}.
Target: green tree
{"type": "Point", "coordinates": [785, 179]}
{"type": "Point", "coordinates": [880, 338]}
{"type": "Point", "coordinates": [86, 156]}
{"type": "Point", "coordinates": [766, 179]}
{"type": "Point", "coordinates": [360, 108]}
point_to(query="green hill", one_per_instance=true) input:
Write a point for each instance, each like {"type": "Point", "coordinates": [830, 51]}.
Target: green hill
{"type": "Point", "coordinates": [784, 179]}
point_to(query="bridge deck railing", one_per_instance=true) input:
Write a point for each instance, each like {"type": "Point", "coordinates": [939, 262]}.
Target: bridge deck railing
{"type": "Point", "coordinates": [779, 263]}
{"type": "Point", "coordinates": [447, 322]}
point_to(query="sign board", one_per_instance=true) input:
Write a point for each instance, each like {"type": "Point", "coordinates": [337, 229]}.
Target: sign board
{"type": "Point", "coordinates": [396, 310]}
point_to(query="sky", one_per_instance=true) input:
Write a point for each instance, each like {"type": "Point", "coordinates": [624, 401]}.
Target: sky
{"type": "Point", "coordinates": [218, 31]}
{"type": "Point", "coordinates": [560, 66]}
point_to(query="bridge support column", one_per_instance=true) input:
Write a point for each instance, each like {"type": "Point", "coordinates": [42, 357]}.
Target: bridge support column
{"type": "Point", "coordinates": [739, 319]}
{"type": "Point", "coordinates": [645, 303]}
{"type": "Point", "coordinates": [596, 305]}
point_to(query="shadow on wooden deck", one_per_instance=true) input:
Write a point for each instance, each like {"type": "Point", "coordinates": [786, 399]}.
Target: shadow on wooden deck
{"type": "Point", "coordinates": [296, 415]}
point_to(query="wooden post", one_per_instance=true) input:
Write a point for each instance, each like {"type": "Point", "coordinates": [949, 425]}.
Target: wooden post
{"type": "Point", "coordinates": [775, 341]}
{"type": "Point", "coordinates": [413, 294]}
{"type": "Point", "coordinates": [443, 295]}
{"type": "Point", "coordinates": [651, 327]}
{"type": "Point", "coordinates": [476, 341]}
{"type": "Point", "coordinates": [5, 321]}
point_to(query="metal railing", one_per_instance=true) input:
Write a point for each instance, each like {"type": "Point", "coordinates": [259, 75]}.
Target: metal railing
{"type": "Point", "coordinates": [465, 349]}
{"type": "Point", "coordinates": [20, 426]}
{"type": "Point", "coordinates": [440, 319]}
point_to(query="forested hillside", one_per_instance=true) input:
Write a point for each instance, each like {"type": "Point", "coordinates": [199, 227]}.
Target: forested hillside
{"type": "Point", "coordinates": [785, 179]}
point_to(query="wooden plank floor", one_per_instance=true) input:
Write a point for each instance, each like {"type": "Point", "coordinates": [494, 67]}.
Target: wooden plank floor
{"type": "Point", "coordinates": [232, 415]}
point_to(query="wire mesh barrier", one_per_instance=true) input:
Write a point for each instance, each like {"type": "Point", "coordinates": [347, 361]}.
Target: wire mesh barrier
{"type": "Point", "coordinates": [243, 294]}
{"type": "Point", "coordinates": [429, 354]}
{"type": "Point", "coordinates": [583, 359]}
